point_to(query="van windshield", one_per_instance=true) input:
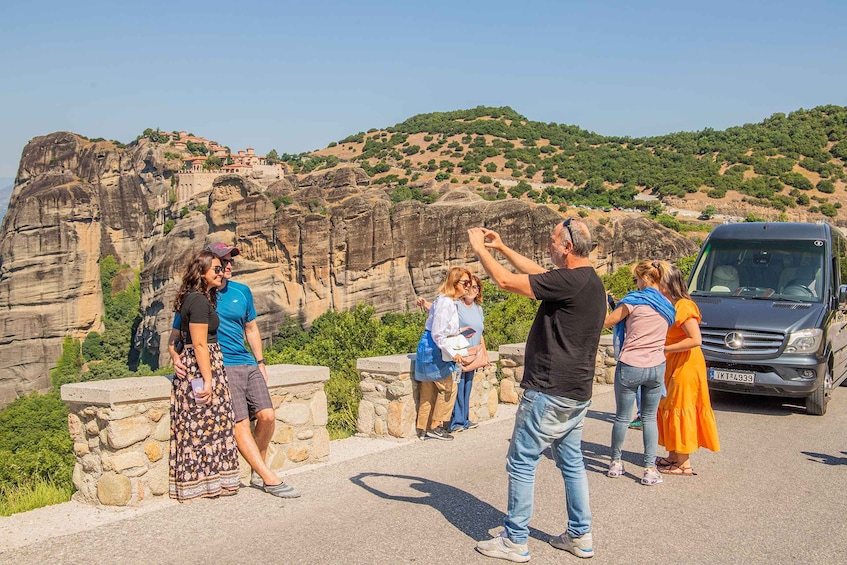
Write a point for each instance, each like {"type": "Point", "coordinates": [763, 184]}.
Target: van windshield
{"type": "Point", "coordinates": [770, 269]}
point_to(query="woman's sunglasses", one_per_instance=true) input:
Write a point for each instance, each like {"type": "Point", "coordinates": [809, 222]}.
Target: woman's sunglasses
{"type": "Point", "coordinates": [465, 284]}
{"type": "Point", "coordinates": [218, 269]}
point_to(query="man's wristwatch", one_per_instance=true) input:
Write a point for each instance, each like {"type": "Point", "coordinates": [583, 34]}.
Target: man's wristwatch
{"type": "Point", "coordinates": [260, 362]}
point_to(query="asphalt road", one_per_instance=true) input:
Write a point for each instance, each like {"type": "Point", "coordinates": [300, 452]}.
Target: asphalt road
{"type": "Point", "coordinates": [774, 494]}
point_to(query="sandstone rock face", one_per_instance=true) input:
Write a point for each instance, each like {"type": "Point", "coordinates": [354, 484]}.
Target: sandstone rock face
{"type": "Point", "coordinates": [340, 242]}
{"type": "Point", "coordinates": [633, 238]}
{"type": "Point", "coordinates": [74, 201]}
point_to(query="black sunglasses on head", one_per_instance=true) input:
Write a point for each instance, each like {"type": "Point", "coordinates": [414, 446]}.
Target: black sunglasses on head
{"type": "Point", "coordinates": [567, 225]}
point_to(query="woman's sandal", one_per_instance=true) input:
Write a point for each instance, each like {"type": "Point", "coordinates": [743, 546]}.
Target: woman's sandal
{"type": "Point", "coordinates": [664, 462]}
{"type": "Point", "coordinates": [676, 470]}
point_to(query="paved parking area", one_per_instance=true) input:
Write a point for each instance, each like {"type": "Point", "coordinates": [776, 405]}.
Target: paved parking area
{"type": "Point", "coordinates": [773, 494]}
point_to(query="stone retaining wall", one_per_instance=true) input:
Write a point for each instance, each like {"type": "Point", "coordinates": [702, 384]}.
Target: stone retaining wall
{"type": "Point", "coordinates": [390, 395]}
{"type": "Point", "coordinates": [512, 364]}
{"type": "Point", "coordinates": [121, 432]}
{"type": "Point", "coordinates": [390, 392]}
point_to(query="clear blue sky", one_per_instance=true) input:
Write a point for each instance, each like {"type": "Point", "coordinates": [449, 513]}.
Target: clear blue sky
{"type": "Point", "coordinates": [295, 76]}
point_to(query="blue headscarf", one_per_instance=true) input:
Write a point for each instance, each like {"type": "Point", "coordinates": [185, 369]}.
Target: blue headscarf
{"type": "Point", "coordinates": [647, 297]}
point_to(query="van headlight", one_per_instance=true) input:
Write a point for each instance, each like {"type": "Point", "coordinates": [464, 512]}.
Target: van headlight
{"type": "Point", "coordinates": [804, 341]}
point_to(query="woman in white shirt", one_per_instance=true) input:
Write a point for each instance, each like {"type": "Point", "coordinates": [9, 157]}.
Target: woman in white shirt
{"type": "Point", "coordinates": [437, 390]}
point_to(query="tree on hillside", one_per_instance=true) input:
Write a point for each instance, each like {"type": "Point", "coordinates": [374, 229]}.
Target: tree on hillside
{"type": "Point", "coordinates": [212, 163]}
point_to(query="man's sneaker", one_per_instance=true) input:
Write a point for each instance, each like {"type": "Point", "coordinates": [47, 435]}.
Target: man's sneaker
{"type": "Point", "coordinates": [615, 469]}
{"type": "Point", "coordinates": [582, 546]}
{"type": "Point", "coordinates": [472, 425]}
{"type": "Point", "coordinates": [421, 434]}
{"type": "Point", "coordinates": [439, 433]}
{"type": "Point", "coordinates": [651, 477]}
{"type": "Point", "coordinates": [501, 547]}
{"type": "Point", "coordinates": [282, 490]}
{"type": "Point", "coordinates": [636, 424]}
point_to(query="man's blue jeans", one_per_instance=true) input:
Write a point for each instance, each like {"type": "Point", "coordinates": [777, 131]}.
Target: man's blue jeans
{"type": "Point", "coordinates": [543, 420]}
{"type": "Point", "coordinates": [628, 381]}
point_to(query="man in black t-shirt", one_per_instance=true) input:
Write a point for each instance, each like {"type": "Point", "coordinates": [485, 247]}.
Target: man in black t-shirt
{"type": "Point", "coordinates": [558, 377]}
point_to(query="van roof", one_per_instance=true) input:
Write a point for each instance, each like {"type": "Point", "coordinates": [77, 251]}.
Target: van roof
{"type": "Point", "coordinates": [770, 230]}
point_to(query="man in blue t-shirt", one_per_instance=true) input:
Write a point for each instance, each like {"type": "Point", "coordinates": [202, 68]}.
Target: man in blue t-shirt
{"type": "Point", "coordinates": [247, 377]}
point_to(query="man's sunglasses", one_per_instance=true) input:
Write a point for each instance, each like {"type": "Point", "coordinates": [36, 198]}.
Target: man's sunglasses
{"type": "Point", "coordinates": [567, 225]}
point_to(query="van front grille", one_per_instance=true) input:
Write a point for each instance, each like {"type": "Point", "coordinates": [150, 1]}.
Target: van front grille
{"type": "Point", "coordinates": [740, 343]}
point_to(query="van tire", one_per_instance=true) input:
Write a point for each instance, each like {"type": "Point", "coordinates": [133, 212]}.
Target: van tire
{"type": "Point", "coordinates": [817, 401]}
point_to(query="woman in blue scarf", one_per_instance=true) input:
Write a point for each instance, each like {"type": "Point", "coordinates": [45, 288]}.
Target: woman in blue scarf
{"type": "Point", "coordinates": [641, 320]}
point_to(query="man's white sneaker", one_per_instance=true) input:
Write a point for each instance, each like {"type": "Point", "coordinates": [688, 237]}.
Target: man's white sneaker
{"type": "Point", "coordinates": [501, 547]}
{"type": "Point", "coordinates": [582, 546]}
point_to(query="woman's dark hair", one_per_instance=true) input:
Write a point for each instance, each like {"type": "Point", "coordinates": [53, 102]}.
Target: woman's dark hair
{"type": "Point", "coordinates": [193, 281]}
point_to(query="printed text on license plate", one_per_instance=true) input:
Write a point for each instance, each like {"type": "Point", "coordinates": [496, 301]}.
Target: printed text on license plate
{"type": "Point", "coordinates": [732, 376]}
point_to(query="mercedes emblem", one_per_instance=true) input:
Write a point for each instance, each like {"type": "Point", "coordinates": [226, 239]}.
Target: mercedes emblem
{"type": "Point", "coordinates": [734, 340]}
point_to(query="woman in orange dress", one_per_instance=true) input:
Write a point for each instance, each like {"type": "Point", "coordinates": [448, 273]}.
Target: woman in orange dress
{"type": "Point", "coordinates": [685, 417]}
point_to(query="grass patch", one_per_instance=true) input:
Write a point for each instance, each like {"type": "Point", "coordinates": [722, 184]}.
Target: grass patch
{"type": "Point", "coordinates": [38, 493]}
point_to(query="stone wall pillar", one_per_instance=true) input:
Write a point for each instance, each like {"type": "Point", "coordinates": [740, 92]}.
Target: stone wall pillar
{"type": "Point", "coordinates": [121, 432]}
{"type": "Point", "coordinates": [511, 366]}
{"type": "Point", "coordinates": [604, 366]}
{"type": "Point", "coordinates": [390, 395]}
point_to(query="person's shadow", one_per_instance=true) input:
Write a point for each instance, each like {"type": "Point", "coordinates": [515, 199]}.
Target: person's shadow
{"type": "Point", "coordinates": [826, 459]}
{"type": "Point", "coordinates": [466, 512]}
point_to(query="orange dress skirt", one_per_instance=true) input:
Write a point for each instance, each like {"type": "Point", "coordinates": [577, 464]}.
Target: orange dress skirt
{"type": "Point", "coordinates": [685, 417]}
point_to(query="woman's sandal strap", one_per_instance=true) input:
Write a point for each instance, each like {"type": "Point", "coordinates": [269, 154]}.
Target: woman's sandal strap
{"type": "Point", "coordinates": [677, 470]}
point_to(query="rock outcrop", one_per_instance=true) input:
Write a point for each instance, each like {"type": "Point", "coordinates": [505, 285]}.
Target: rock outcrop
{"type": "Point", "coordinates": [328, 240]}
{"type": "Point", "coordinates": [74, 202]}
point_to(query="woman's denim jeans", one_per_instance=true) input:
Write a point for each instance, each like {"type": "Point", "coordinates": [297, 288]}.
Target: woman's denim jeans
{"type": "Point", "coordinates": [544, 420]}
{"type": "Point", "coordinates": [462, 407]}
{"type": "Point", "coordinates": [627, 381]}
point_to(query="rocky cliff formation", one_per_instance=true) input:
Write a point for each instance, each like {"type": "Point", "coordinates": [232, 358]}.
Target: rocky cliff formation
{"type": "Point", "coordinates": [74, 202]}
{"type": "Point", "coordinates": [309, 243]}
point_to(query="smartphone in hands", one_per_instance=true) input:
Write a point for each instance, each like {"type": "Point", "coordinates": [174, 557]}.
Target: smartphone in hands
{"type": "Point", "coordinates": [197, 387]}
{"type": "Point", "coordinates": [468, 332]}
{"type": "Point", "coordinates": [611, 300]}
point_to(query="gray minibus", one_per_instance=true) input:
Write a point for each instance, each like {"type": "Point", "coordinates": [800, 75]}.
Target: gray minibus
{"type": "Point", "coordinates": [773, 302]}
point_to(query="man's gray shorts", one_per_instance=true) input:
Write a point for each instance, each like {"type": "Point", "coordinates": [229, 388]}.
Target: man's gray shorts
{"type": "Point", "coordinates": [249, 391]}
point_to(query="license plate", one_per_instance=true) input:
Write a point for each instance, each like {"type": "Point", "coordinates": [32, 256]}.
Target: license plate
{"type": "Point", "coordinates": [732, 376]}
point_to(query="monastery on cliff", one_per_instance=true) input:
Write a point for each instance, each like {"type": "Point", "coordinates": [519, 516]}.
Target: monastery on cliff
{"type": "Point", "coordinates": [193, 180]}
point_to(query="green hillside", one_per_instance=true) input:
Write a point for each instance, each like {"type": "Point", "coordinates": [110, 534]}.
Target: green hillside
{"type": "Point", "coordinates": [784, 162]}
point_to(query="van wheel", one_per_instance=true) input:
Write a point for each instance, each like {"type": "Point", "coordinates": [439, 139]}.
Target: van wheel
{"type": "Point", "coordinates": [817, 401]}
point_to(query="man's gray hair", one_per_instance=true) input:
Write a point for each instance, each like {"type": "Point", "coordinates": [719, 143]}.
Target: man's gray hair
{"type": "Point", "coordinates": [579, 236]}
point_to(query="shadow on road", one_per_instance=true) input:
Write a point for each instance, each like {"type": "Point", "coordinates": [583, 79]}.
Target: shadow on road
{"type": "Point", "coordinates": [466, 512]}
{"type": "Point", "coordinates": [752, 404]}
{"type": "Point", "coordinates": [608, 417]}
{"type": "Point", "coordinates": [596, 457]}
{"type": "Point", "coordinates": [826, 459]}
